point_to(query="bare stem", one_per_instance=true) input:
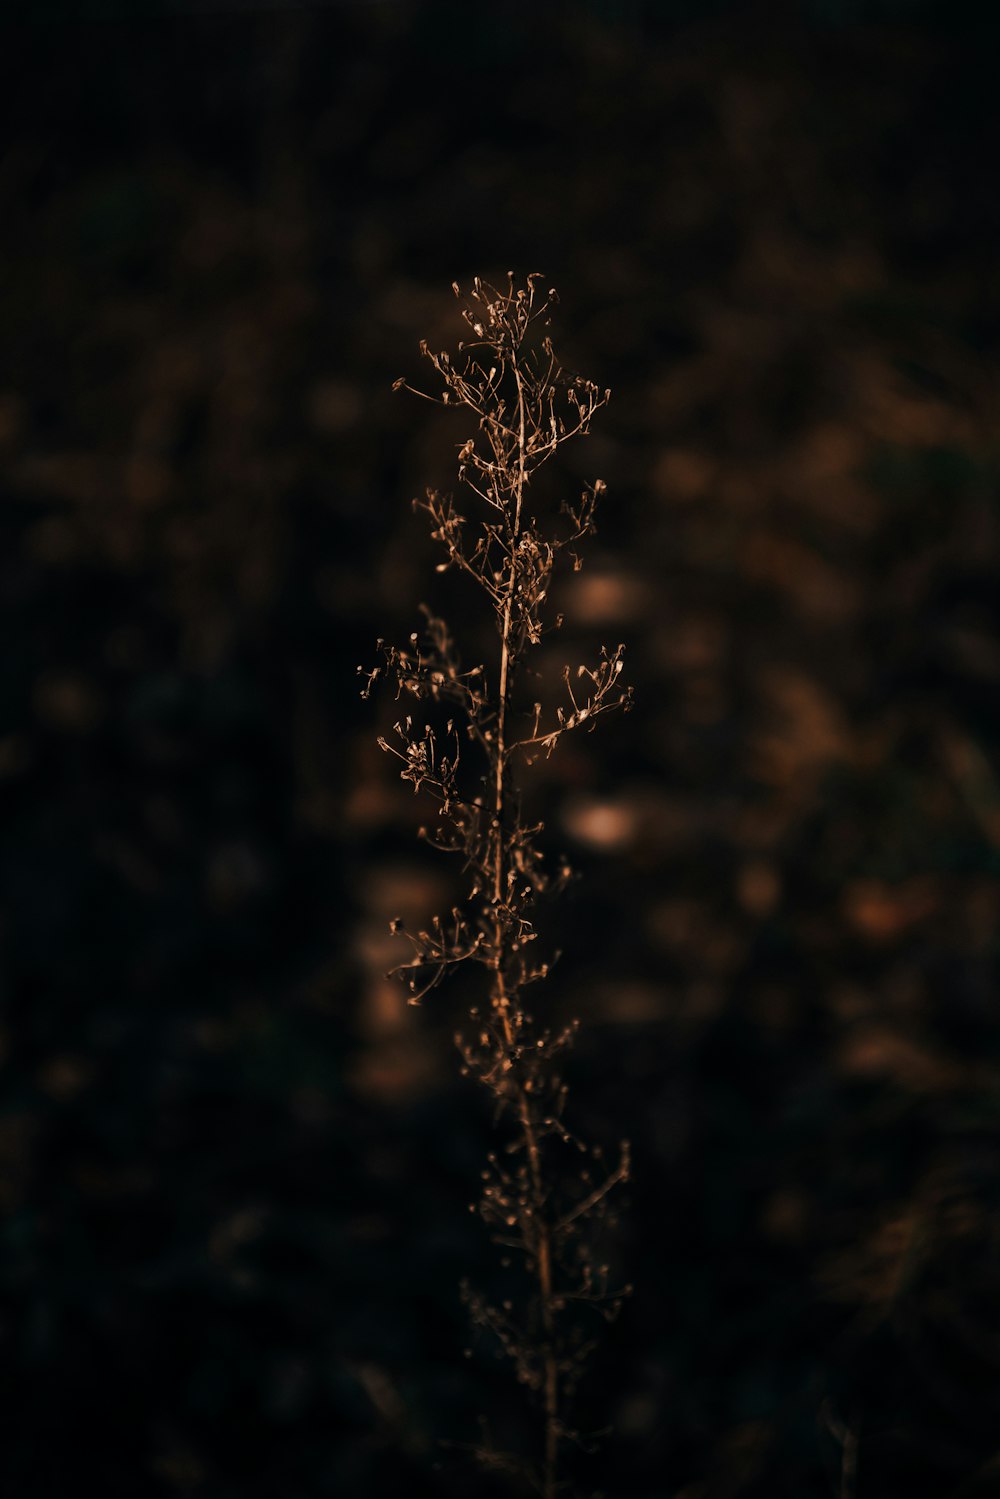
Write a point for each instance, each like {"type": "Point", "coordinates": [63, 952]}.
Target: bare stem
{"type": "Point", "coordinates": [525, 406]}
{"type": "Point", "coordinates": [501, 999]}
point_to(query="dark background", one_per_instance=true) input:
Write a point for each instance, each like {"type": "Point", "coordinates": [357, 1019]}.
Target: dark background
{"type": "Point", "coordinates": [234, 1167]}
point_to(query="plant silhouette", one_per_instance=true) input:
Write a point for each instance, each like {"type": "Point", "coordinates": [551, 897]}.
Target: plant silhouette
{"type": "Point", "coordinates": [545, 1192]}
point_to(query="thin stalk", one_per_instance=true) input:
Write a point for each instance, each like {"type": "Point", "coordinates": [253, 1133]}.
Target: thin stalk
{"type": "Point", "coordinates": [511, 559]}
{"type": "Point", "coordinates": [540, 1231]}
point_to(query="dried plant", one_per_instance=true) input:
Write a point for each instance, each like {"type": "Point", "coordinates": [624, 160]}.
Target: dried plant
{"type": "Point", "coordinates": [545, 1193]}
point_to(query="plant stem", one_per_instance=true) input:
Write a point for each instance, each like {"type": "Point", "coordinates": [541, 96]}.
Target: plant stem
{"type": "Point", "coordinates": [549, 1215]}
{"type": "Point", "coordinates": [540, 1236]}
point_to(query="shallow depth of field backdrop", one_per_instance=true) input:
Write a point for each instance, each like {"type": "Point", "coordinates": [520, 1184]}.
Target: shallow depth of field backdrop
{"type": "Point", "coordinates": [234, 1167]}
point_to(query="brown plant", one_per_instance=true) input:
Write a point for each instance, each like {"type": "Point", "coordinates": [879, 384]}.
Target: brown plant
{"type": "Point", "coordinates": [545, 1195]}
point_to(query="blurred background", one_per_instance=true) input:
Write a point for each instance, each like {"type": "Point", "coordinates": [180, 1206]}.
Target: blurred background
{"type": "Point", "coordinates": [234, 1167]}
